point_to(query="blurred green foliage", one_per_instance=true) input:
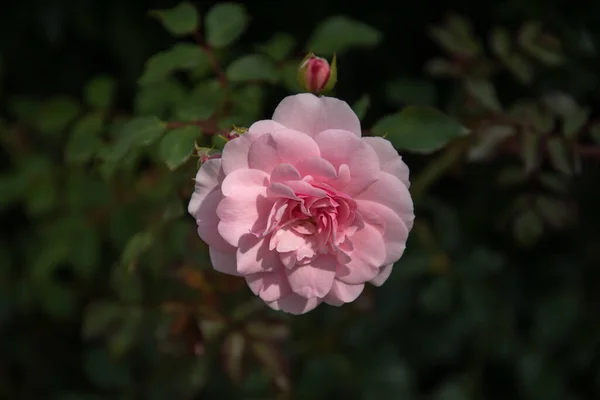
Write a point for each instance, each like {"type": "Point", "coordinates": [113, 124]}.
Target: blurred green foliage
{"type": "Point", "coordinates": [106, 292]}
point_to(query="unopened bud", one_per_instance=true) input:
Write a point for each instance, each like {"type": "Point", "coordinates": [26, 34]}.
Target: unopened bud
{"type": "Point", "coordinates": [315, 75]}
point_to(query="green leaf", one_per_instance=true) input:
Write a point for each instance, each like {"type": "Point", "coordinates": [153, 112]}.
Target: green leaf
{"type": "Point", "coordinates": [488, 139]}
{"type": "Point", "coordinates": [85, 256]}
{"type": "Point", "coordinates": [182, 56]}
{"type": "Point", "coordinates": [24, 108]}
{"type": "Point", "coordinates": [56, 114]}
{"type": "Point", "coordinates": [12, 187]}
{"type": "Point", "coordinates": [137, 246]}
{"type": "Point", "coordinates": [485, 93]}
{"type": "Point", "coordinates": [84, 141]}
{"type": "Point", "coordinates": [124, 338]}
{"type": "Point", "coordinates": [104, 371]}
{"type": "Point", "coordinates": [500, 42]}
{"type": "Point", "coordinates": [554, 211]}
{"type": "Point", "coordinates": [451, 390]}
{"type": "Point", "coordinates": [528, 228]}
{"type": "Point", "coordinates": [253, 67]}
{"type": "Point", "coordinates": [575, 121]}
{"type": "Point", "coordinates": [437, 296]}
{"type": "Point", "coordinates": [159, 98]}
{"type": "Point", "coordinates": [279, 46]}
{"type": "Point", "coordinates": [361, 106]}
{"type": "Point", "coordinates": [201, 103]}
{"type": "Point", "coordinates": [138, 132]}
{"type": "Point", "coordinates": [177, 146]}
{"type": "Point", "coordinates": [520, 67]}
{"type": "Point", "coordinates": [511, 176]}
{"type": "Point", "coordinates": [555, 182]}
{"type": "Point", "coordinates": [440, 67]}
{"type": "Point", "coordinates": [100, 92]}
{"type": "Point", "coordinates": [248, 101]}
{"type": "Point", "coordinates": [173, 210]}
{"type": "Point", "coordinates": [180, 20]}
{"type": "Point", "coordinates": [57, 300]}
{"type": "Point", "coordinates": [540, 45]}
{"type": "Point", "coordinates": [410, 91]}
{"type": "Point", "coordinates": [456, 37]}
{"type": "Point", "coordinates": [225, 22]}
{"type": "Point", "coordinates": [419, 129]}
{"type": "Point", "coordinates": [339, 34]}
{"type": "Point", "coordinates": [559, 155]}
{"type": "Point", "coordinates": [100, 318]}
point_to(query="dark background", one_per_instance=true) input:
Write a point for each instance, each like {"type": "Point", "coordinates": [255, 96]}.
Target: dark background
{"type": "Point", "coordinates": [503, 321]}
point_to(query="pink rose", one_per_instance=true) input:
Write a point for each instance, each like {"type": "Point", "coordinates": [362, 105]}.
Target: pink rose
{"type": "Point", "coordinates": [303, 208]}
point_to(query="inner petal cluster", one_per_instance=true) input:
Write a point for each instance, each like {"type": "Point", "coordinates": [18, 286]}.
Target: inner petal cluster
{"type": "Point", "coordinates": [309, 219]}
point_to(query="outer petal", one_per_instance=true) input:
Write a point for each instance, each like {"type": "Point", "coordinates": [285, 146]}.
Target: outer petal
{"type": "Point", "coordinates": [245, 207]}
{"type": "Point", "coordinates": [295, 304]}
{"type": "Point", "coordinates": [209, 177]}
{"type": "Point", "coordinates": [343, 293]}
{"type": "Point", "coordinates": [208, 222]}
{"type": "Point", "coordinates": [384, 274]}
{"type": "Point", "coordinates": [389, 159]}
{"type": "Point", "coordinates": [269, 286]}
{"type": "Point", "coordinates": [235, 152]}
{"type": "Point", "coordinates": [391, 226]}
{"type": "Point", "coordinates": [339, 148]}
{"type": "Point", "coordinates": [392, 193]}
{"type": "Point", "coordinates": [253, 255]}
{"type": "Point", "coordinates": [310, 114]}
{"type": "Point", "coordinates": [314, 279]}
{"type": "Point", "coordinates": [283, 146]}
{"type": "Point", "coordinates": [366, 257]}
{"type": "Point", "coordinates": [223, 262]}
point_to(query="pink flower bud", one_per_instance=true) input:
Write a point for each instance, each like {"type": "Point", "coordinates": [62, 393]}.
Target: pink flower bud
{"type": "Point", "coordinates": [315, 75]}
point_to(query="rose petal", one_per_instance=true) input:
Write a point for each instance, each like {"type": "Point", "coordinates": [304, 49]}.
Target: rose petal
{"type": "Point", "coordinates": [254, 256]}
{"type": "Point", "coordinates": [208, 178]}
{"type": "Point", "coordinates": [245, 207]}
{"type": "Point", "coordinates": [384, 274]}
{"type": "Point", "coordinates": [280, 190]}
{"type": "Point", "coordinates": [392, 193]}
{"type": "Point", "coordinates": [310, 114]}
{"type": "Point", "coordinates": [341, 147]}
{"type": "Point", "coordinates": [235, 152]}
{"type": "Point", "coordinates": [391, 225]}
{"type": "Point", "coordinates": [286, 239]}
{"type": "Point", "coordinates": [295, 304]}
{"type": "Point", "coordinates": [343, 293]}
{"type": "Point", "coordinates": [207, 222]}
{"type": "Point", "coordinates": [389, 159]}
{"type": "Point", "coordinates": [223, 262]}
{"type": "Point", "coordinates": [318, 168]}
{"type": "Point", "coordinates": [282, 146]}
{"type": "Point", "coordinates": [365, 259]}
{"type": "Point", "coordinates": [269, 286]}
{"type": "Point", "coordinates": [240, 181]}
{"type": "Point", "coordinates": [313, 279]}
{"type": "Point", "coordinates": [284, 172]}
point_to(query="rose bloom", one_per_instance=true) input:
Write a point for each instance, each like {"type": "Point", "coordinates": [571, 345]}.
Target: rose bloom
{"type": "Point", "coordinates": [303, 207]}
